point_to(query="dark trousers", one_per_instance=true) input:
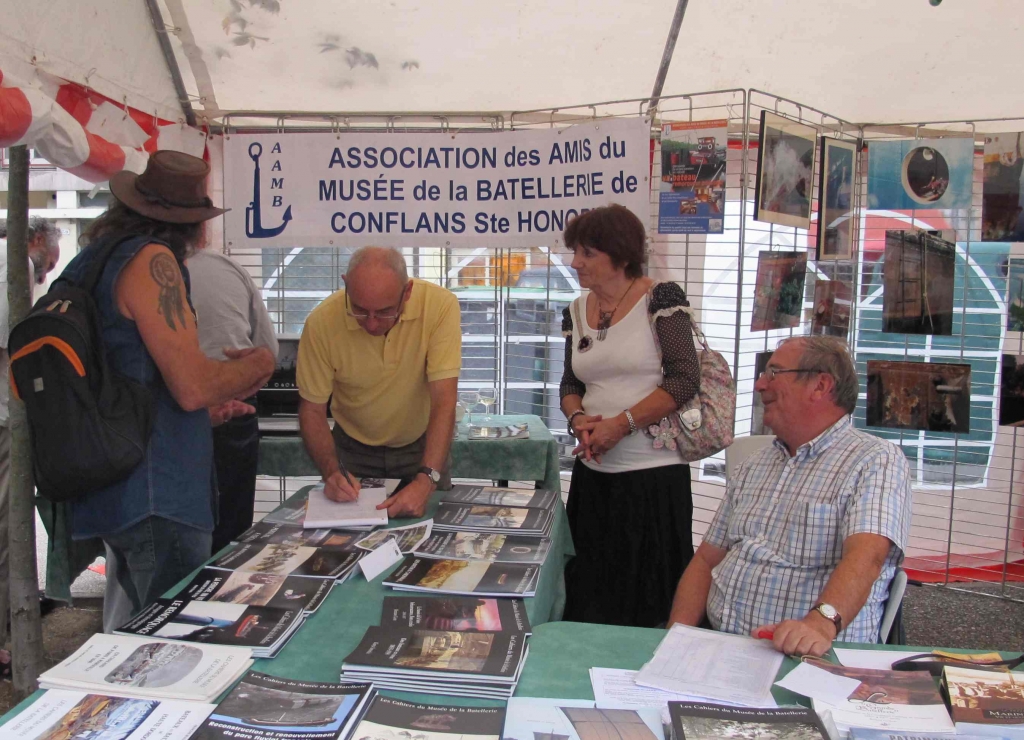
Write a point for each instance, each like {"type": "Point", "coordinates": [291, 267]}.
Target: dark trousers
{"type": "Point", "coordinates": [369, 461]}
{"type": "Point", "coordinates": [236, 446]}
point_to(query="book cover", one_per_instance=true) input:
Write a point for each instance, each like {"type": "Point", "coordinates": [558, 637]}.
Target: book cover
{"type": "Point", "coordinates": [701, 721]}
{"type": "Point", "coordinates": [982, 697]}
{"type": "Point", "coordinates": [269, 533]}
{"type": "Point", "coordinates": [505, 431]}
{"type": "Point", "coordinates": [465, 576]}
{"type": "Point", "coordinates": [458, 613]}
{"type": "Point", "coordinates": [258, 589]}
{"type": "Point", "coordinates": [462, 516]}
{"type": "Point", "coordinates": [76, 715]}
{"type": "Point", "coordinates": [575, 719]}
{"type": "Point", "coordinates": [501, 548]}
{"type": "Point", "coordinates": [407, 538]}
{"type": "Point", "coordinates": [491, 496]}
{"type": "Point", "coordinates": [292, 511]}
{"type": "Point", "coordinates": [257, 627]}
{"type": "Point", "coordinates": [393, 719]}
{"type": "Point", "coordinates": [496, 655]}
{"type": "Point", "coordinates": [289, 560]}
{"type": "Point", "coordinates": [263, 707]}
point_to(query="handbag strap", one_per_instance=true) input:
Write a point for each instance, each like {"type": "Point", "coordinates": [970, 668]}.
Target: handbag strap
{"type": "Point", "coordinates": [576, 325]}
{"type": "Point", "coordinates": [694, 326]}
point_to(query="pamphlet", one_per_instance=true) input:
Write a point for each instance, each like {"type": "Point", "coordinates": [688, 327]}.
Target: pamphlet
{"type": "Point", "coordinates": [258, 589]}
{"type": "Point", "coordinates": [285, 560]}
{"type": "Point", "coordinates": [393, 719]}
{"type": "Point", "coordinates": [455, 613]}
{"type": "Point", "coordinates": [529, 498]}
{"type": "Point", "coordinates": [470, 577]}
{"type": "Point", "coordinates": [701, 721]}
{"type": "Point", "coordinates": [499, 548]}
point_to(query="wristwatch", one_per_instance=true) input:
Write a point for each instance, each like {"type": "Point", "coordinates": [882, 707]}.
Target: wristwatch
{"type": "Point", "coordinates": [831, 614]}
{"type": "Point", "coordinates": [434, 475]}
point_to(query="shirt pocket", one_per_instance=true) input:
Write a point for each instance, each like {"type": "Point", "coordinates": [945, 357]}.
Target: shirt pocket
{"type": "Point", "coordinates": [811, 538]}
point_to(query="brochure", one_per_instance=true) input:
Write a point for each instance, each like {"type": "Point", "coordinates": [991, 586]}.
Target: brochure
{"type": "Point", "coordinates": [457, 613]}
{"type": "Point", "coordinates": [470, 577]}
{"type": "Point", "coordinates": [497, 519]}
{"type": "Point", "coordinates": [408, 538]}
{"type": "Point", "coordinates": [500, 548]}
{"type": "Point", "coordinates": [76, 715]}
{"type": "Point", "coordinates": [700, 721]}
{"type": "Point", "coordinates": [258, 589]}
{"type": "Point", "coordinates": [263, 707]}
{"type": "Point", "coordinates": [269, 533]}
{"type": "Point", "coordinates": [289, 560]}
{"type": "Point", "coordinates": [150, 668]}
{"type": "Point", "coordinates": [491, 496]}
{"type": "Point", "coordinates": [393, 719]}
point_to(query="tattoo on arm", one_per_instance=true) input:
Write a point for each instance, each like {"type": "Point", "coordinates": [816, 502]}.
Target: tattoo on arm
{"type": "Point", "coordinates": [165, 272]}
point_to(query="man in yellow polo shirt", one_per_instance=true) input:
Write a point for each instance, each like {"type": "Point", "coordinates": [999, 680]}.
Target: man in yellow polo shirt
{"type": "Point", "coordinates": [387, 351]}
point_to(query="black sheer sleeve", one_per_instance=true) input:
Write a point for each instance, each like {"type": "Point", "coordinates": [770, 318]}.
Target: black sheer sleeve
{"type": "Point", "coordinates": [570, 385]}
{"type": "Point", "coordinates": [675, 335]}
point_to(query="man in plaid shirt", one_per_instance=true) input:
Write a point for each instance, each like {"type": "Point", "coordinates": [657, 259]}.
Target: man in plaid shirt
{"type": "Point", "coordinates": [807, 539]}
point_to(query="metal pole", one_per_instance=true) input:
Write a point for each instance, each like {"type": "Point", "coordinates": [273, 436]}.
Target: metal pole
{"type": "Point", "coordinates": [172, 63]}
{"type": "Point", "coordinates": [26, 627]}
{"type": "Point", "coordinates": [666, 56]}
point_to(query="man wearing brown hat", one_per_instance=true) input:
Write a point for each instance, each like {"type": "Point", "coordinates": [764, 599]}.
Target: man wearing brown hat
{"type": "Point", "coordinates": [157, 522]}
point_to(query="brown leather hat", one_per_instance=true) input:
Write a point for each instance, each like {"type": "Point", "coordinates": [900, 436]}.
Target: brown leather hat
{"type": "Point", "coordinates": [172, 189]}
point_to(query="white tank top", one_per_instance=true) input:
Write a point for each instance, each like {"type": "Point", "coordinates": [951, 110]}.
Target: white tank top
{"type": "Point", "coordinates": [618, 372]}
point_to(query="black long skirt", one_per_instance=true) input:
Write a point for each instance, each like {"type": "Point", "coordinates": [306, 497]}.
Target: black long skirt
{"type": "Point", "coordinates": [632, 534]}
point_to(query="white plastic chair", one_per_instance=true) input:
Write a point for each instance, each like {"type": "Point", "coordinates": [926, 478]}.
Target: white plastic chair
{"type": "Point", "coordinates": [742, 448]}
{"type": "Point", "coordinates": [896, 590]}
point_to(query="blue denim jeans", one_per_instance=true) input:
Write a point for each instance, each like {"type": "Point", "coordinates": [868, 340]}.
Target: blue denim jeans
{"type": "Point", "coordinates": [155, 554]}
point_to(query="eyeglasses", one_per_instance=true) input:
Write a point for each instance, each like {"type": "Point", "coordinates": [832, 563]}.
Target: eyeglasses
{"type": "Point", "coordinates": [773, 371]}
{"type": "Point", "coordinates": [388, 314]}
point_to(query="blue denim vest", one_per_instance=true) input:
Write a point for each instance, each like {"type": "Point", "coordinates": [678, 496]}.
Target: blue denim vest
{"type": "Point", "coordinates": [175, 479]}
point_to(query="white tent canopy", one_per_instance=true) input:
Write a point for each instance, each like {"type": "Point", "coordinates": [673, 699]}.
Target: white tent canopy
{"type": "Point", "coordinates": [865, 61]}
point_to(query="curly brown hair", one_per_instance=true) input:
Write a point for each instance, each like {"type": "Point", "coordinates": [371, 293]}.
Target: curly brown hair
{"type": "Point", "coordinates": [183, 239]}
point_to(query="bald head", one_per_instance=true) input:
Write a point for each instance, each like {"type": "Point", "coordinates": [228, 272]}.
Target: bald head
{"type": "Point", "coordinates": [377, 259]}
{"type": "Point", "coordinates": [377, 284]}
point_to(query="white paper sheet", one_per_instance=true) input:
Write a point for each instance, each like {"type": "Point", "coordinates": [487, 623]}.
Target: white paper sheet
{"type": "Point", "coordinates": [811, 681]}
{"type": "Point", "coordinates": [618, 689]}
{"type": "Point", "coordinates": [379, 560]}
{"type": "Point", "coordinates": [322, 513]}
{"type": "Point", "coordinates": [879, 660]}
{"type": "Point", "coordinates": [713, 665]}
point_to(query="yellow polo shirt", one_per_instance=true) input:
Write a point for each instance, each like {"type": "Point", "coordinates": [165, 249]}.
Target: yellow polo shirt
{"type": "Point", "coordinates": [379, 384]}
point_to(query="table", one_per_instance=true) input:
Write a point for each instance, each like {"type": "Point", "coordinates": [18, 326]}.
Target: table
{"type": "Point", "coordinates": [533, 459]}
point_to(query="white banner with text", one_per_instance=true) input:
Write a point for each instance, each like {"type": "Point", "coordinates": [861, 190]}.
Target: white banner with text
{"type": "Point", "coordinates": [504, 189]}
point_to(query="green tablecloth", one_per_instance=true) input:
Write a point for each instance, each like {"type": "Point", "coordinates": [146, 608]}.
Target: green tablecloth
{"type": "Point", "coordinates": [534, 459]}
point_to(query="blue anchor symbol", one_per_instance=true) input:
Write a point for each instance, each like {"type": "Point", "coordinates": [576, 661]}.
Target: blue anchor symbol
{"type": "Point", "coordinates": [253, 225]}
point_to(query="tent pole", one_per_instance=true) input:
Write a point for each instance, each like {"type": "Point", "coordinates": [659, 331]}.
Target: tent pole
{"type": "Point", "coordinates": [666, 57]}
{"type": "Point", "coordinates": [172, 63]}
{"type": "Point", "coordinates": [26, 626]}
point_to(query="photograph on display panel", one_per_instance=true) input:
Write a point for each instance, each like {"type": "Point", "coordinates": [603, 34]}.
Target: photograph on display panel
{"type": "Point", "coordinates": [1001, 198]}
{"type": "Point", "coordinates": [1015, 295]}
{"type": "Point", "coordinates": [918, 279]}
{"type": "Point", "coordinates": [778, 290]}
{"type": "Point", "coordinates": [692, 196]}
{"type": "Point", "coordinates": [830, 312]}
{"type": "Point", "coordinates": [1011, 392]}
{"type": "Point", "coordinates": [930, 396]}
{"type": "Point", "coordinates": [915, 174]}
{"type": "Point", "coordinates": [835, 199]}
{"type": "Point", "coordinates": [785, 169]}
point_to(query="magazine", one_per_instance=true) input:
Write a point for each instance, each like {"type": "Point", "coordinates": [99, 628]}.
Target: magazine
{"type": "Point", "coordinates": [361, 513]}
{"type": "Point", "coordinates": [498, 548]}
{"type": "Point", "coordinates": [423, 655]}
{"type": "Point", "coordinates": [393, 719]}
{"type": "Point", "coordinates": [469, 577]}
{"type": "Point", "coordinates": [491, 496]}
{"type": "Point", "coordinates": [269, 533]}
{"type": "Point", "coordinates": [149, 668]}
{"type": "Point", "coordinates": [70, 715]}
{"type": "Point", "coordinates": [263, 707]}
{"type": "Point", "coordinates": [258, 589]}
{"type": "Point", "coordinates": [502, 431]}
{"type": "Point", "coordinates": [289, 560]}
{"type": "Point", "coordinates": [577, 719]}
{"type": "Point", "coordinates": [985, 702]}
{"type": "Point", "coordinates": [407, 538]}
{"type": "Point", "coordinates": [458, 613]}
{"type": "Point", "coordinates": [498, 519]}
{"type": "Point", "coordinates": [261, 628]}
{"type": "Point", "coordinates": [700, 721]}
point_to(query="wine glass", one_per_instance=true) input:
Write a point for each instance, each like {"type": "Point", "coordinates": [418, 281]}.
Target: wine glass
{"type": "Point", "coordinates": [469, 400]}
{"type": "Point", "coordinates": [488, 397]}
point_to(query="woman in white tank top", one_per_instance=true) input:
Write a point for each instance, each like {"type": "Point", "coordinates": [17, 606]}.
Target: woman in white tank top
{"type": "Point", "coordinates": [629, 362]}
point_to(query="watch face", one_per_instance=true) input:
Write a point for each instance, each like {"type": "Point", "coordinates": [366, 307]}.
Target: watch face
{"type": "Point", "coordinates": [827, 610]}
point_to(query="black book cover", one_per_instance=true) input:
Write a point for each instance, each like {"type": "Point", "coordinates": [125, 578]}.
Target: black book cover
{"type": "Point", "coordinates": [284, 560]}
{"type": "Point", "coordinates": [258, 589]}
{"type": "Point", "coordinates": [263, 707]}
{"type": "Point", "coordinates": [501, 548]}
{"type": "Point", "coordinates": [489, 496]}
{"type": "Point", "coordinates": [465, 516]}
{"type": "Point", "coordinates": [237, 625]}
{"type": "Point", "coordinates": [270, 533]}
{"type": "Point", "coordinates": [292, 511]}
{"type": "Point", "coordinates": [494, 654]}
{"type": "Point", "coordinates": [464, 576]}
{"type": "Point", "coordinates": [699, 721]}
{"type": "Point", "coordinates": [394, 719]}
{"type": "Point", "coordinates": [457, 613]}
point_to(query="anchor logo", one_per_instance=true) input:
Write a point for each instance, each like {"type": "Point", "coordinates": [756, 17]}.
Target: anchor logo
{"type": "Point", "coordinates": [253, 223]}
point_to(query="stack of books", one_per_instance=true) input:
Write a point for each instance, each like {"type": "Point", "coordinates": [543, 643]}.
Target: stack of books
{"type": "Point", "coordinates": [148, 668]}
{"type": "Point", "coordinates": [695, 720]}
{"type": "Point", "coordinates": [468, 577]}
{"type": "Point", "coordinates": [458, 647]}
{"type": "Point", "coordinates": [493, 518]}
{"type": "Point", "coordinates": [335, 563]}
{"type": "Point", "coordinates": [272, 708]}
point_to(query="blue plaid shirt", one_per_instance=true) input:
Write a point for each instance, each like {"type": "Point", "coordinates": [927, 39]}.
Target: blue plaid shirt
{"type": "Point", "coordinates": [784, 519]}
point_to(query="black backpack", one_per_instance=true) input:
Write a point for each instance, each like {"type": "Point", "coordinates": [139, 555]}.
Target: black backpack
{"type": "Point", "coordinates": [89, 425]}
